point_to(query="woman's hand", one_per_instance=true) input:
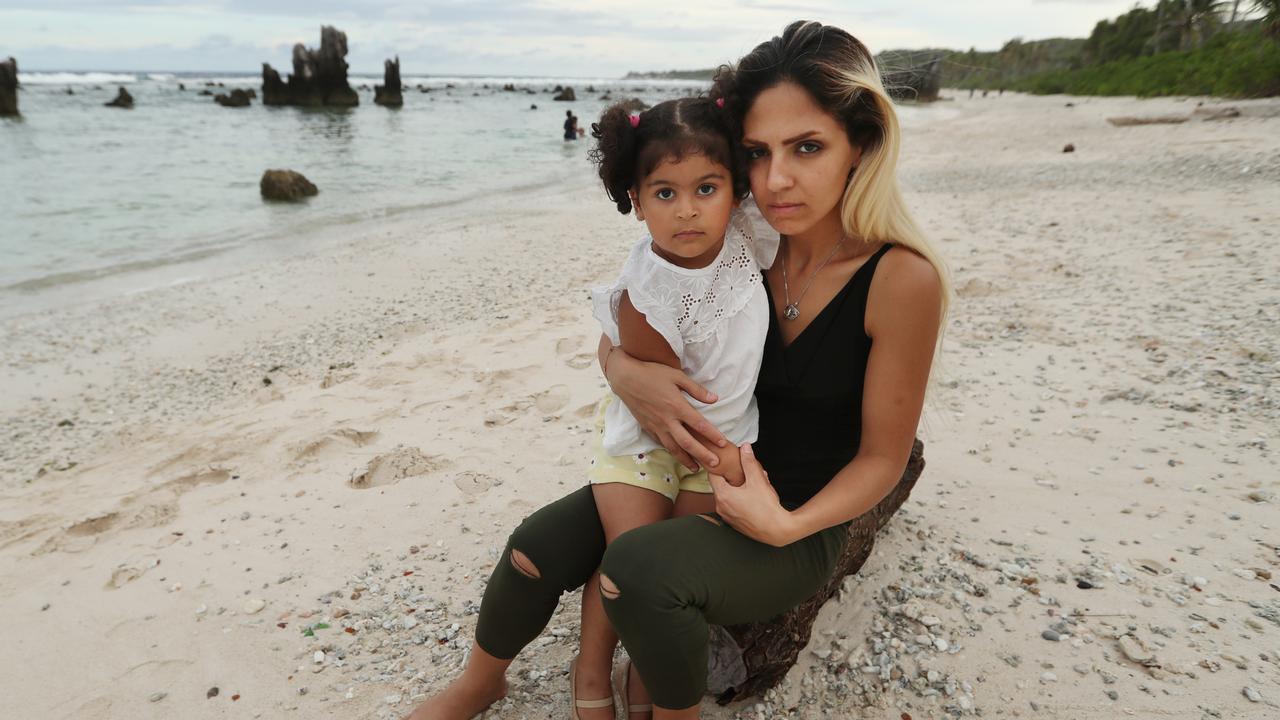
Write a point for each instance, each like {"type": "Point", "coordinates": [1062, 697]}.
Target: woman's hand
{"type": "Point", "coordinates": [753, 508]}
{"type": "Point", "coordinates": [655, 395]}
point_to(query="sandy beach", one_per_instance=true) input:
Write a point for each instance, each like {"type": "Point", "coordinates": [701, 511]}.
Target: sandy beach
{"type": "Point", "coordinates": [279, 493]}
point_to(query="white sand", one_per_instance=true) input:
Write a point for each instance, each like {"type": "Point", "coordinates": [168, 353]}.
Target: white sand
{"type": "Point", "coordinates": [1108, 400]}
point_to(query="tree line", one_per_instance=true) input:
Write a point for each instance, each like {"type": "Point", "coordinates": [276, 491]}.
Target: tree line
{"type": "Point", "coordinates": [1175, 47]}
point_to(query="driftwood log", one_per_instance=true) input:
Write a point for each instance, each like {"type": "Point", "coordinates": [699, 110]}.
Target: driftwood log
{"type": "Point", "coordinates": [9, 87]}
{"type": "Point", "coordinates": [1158, 120]}
{"type": "Point", "coordinates": [746, 660]}
{"type": "Point", "coordinates": [915, 76]}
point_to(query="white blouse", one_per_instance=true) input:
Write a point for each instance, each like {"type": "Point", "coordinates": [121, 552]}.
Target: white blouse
{"type": "Point", "coordinates": [714, 318]}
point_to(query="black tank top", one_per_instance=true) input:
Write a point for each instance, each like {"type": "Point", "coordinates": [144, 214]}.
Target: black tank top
{"type": "Point", "coordinates": [810, 392]}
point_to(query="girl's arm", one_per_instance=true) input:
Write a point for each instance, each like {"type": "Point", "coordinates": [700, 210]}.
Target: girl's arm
{"type": "Point", "coordinates": [641, 342]}
{"type": "Point", "coordinates": [657, 396]}
{"type": "Point", "coordinates": [903, 319]}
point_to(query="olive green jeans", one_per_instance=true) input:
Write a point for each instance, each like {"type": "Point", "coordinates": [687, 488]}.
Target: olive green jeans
{"type": "Point", "coordinates": [674, 578]}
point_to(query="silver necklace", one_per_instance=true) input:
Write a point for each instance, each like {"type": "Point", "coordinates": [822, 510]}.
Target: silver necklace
{"type": "Point", "coordinates": [792, 309]}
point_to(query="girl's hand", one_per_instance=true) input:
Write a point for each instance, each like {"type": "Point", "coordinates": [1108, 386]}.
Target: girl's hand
{"type": "Point", "coordinates": [655, 395]}
{"type": "Point", "coordinates": [753, 508]}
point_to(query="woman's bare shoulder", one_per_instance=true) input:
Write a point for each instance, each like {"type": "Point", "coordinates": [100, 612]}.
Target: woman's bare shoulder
{"type": "Point", "coordinates": [906, 287]}
{"type": "Point", "coordinates": [903, 266]}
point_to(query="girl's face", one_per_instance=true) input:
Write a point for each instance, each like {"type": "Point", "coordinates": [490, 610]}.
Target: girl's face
{"type": "Point", "coordinates": [799, 158]}
{"type": "Point", "coordinates": [686, 205]}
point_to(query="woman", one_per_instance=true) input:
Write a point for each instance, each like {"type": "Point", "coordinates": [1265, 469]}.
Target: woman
{"type": "Point", "coordinates": [858, 299]}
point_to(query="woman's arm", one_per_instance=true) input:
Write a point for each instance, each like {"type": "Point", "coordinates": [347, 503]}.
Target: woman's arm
{"type": "Point", "coordinates": [903, 319]}
{"type": "Point", "coordinates": [640, 341]}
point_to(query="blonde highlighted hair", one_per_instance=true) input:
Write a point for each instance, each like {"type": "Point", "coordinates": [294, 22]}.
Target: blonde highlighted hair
{"type": "Point", "coordinates": [842, 77]}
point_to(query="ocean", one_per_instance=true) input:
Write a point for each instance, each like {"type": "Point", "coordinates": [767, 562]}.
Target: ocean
{"type": "Point", "coordinates": [98, 201]}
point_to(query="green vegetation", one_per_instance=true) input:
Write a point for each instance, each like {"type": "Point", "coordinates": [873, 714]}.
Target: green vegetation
{"type": "Point", "coordinates": [1241, 64]}
{"type": "Point", "coordinates": [672, 75]}
{"type": "Point", "coordinates": [1013, 62]}
{"type": "Point", "coordinates": [1176, 47]}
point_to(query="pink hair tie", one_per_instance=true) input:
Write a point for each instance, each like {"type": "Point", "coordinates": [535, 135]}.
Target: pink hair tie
{"type": "Point", "coordinates": [719, 102]}
{"type": "Point", "coordinates": [635, 119]}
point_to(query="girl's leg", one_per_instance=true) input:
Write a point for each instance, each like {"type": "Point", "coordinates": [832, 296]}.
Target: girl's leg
{"type": "Point", "coordinates": [687, 503]}
{"type": "Point", "coordinates": [694, 503]}
{"type": "Point", "coordinates": [554, 550]}
{"type": "Point", "coordinates": [622, 508]}
{"type": "Point", "coordinates": [663, 584]}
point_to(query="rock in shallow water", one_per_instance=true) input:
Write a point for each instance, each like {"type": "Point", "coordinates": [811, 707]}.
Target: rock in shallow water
{"type": "Point", "coordinates": [123, 100]}
{"type": "Point", "coordinates": [388, 93]}
{"type": "Point", "coordinates": [9, 87]}
{"type": "Point", "coordinates": [286, 185]}
{"type": "Point", "coordinates": [319, 76]}
{"type": "Point", "coordinates": [236, 98]}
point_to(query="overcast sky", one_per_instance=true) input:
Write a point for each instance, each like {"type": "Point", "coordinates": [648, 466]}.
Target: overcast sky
{"type": "Point", "coordinates": [601, 38]}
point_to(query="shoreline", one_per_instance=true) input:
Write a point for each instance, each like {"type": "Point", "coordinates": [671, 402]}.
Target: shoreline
{"type": "Point", "coordinates": [200, 263]}
{"type": "Point", "coordinates": [1099, 445]}
{"type": "Point", "coordinates": [35, 344]}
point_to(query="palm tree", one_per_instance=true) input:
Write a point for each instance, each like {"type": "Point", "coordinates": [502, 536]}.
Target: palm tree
{"type": "Point", "coordinates": [1196, 20]}
{"type": "Point", "coordinates": [1270, 10]}
{"type": "Point", "coordinates": [1167, 19]}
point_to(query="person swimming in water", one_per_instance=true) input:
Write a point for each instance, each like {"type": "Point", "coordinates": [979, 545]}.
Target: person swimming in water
{"type": "Point", "coordinates": [571, 129]}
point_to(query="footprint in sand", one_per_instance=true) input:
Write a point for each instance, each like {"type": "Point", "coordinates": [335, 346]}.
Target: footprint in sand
{"type": "Point", "coordinates": [566, 346]}
{"type": "Point", "coordinates": [94, 525]}
{"type": "Point", "coordinates": [13, 531]}
{"type": "Point", "coordinates": [976, 287]}
{"type": "Point", "coordinates": [472, 483]}
{"type": "Point", "coordinates": [548, 402]}
{"type": "Point", "coordinates": [79, 536]}
{"type": "Point", "coordinates": [152, 507]}
{"type": "Point", "coordinates": [392, 467]}
{"type": "Point", "coordinates": [210, 454]}
{"type": "Point", "coordinates": [335, 377]}
{"type": "Point", "coordinates": [500, 380]}
{"type": "Point", "coordinates": [338, 439]}
{"type": "Point", "coordinates": [553, 399]}
{"type": "Point", "coordinates": [565, 350]}
{"type": "Point", "coordinates": [130, 570]}
{"type": "Point", "coordinates": [505, 416]}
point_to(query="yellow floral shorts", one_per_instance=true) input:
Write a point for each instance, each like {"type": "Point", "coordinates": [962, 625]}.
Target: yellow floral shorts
{"type": "Point", "coordinates": [655, 470]}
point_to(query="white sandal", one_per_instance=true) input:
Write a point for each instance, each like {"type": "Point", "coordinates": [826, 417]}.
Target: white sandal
{"type": "Point", "coordinates": [574, 702]}
{"type": "Point", "coordinates": [622, 683]}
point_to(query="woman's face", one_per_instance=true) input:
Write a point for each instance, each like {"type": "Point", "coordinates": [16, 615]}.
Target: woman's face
{"type": "Point", "coordinates": [799, 158]}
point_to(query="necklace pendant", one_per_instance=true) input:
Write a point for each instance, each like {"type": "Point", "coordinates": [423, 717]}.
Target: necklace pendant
{"type": "Point", "coordinates": [791, 312]}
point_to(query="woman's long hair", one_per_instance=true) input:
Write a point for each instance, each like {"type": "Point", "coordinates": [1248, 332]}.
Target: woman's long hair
{"type": "Point", "coordinates": [841, 76]}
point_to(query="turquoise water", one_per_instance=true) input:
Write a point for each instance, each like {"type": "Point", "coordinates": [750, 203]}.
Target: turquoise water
{"type": "Point", "coordinates": [98, 197]}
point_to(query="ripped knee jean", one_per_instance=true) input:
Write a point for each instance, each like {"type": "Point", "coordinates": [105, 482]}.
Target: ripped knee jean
{"type": "Point", "coordinates": [661, 584]}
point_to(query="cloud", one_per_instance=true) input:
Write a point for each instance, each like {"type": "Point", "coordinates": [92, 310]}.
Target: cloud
{"type": "Point", "coordinates": [564, 37]}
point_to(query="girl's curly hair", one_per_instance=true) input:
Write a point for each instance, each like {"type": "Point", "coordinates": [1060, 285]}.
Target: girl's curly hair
{"type": "Point", "coordinates": [625, 152]}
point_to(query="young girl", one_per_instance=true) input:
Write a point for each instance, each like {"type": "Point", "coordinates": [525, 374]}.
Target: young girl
{"type": "Point", "coordinates": [690, 296]}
